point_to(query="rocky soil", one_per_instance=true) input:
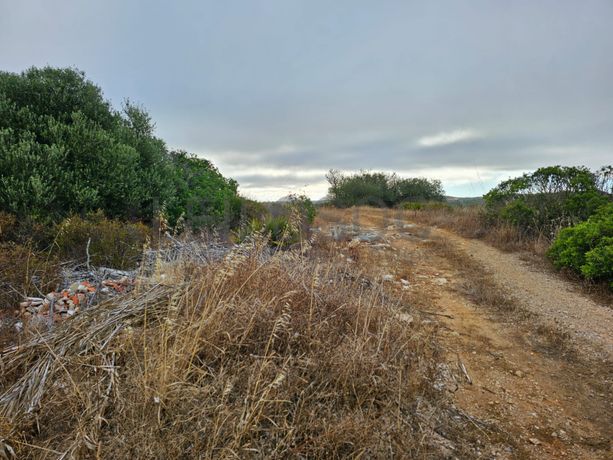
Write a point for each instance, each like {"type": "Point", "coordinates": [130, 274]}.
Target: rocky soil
{"type": "Point", "coordinates": [540, 369]}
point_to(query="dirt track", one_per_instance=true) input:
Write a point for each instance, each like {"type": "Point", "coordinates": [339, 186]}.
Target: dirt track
{"type": "Point", "coordinates": [541, 373]}
{"type": "Point", "coordinates": [555, 300]}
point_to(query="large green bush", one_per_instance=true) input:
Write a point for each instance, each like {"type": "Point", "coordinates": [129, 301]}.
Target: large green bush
{"type": "Point", "coordinates": [587, 248]}
{"type": "Point", "coordinates": [65, 151]}
{"type": "Point", "coordinates": [550, 198]}
{"type": "Point", "coordinates": [380, 189]}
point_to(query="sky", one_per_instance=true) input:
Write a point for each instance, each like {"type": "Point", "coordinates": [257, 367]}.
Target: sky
{"type": "Point", "coordinates": [277, 92]}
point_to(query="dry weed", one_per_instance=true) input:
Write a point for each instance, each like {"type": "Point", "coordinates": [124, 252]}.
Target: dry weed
{"type": "Point", "coordinates": [259, 355]}
{"type": "Point", "coordinates": [471, 222]}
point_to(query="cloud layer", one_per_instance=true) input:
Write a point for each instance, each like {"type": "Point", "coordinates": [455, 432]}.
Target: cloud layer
{"type": "Point", "coordinates": [277, 92]}
{"type": "Point", "coordinates": [447, 138]}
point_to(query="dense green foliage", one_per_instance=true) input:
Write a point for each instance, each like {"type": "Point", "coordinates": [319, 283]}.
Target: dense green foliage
{"type": "Point", "coordinates": [587, 247]}
{"type": "Point", "coordinates": [380, 189]}
{"type": "Point", "coordinates": [571, 205]}
{"type": "Point", "coordinates": [550, 198]}
{"type": "Point", "coordinates": [203, 197]}
{"type": "Point", "coordinates": [65, 151]}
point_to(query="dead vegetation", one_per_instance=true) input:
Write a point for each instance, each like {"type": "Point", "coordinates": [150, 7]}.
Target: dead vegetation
{"type": "Point", "coordinates": [259, 355]}
{"type": "Point", "coordinates": [25, 271]}
{"type": "Point", "coordinates": [471, 222]}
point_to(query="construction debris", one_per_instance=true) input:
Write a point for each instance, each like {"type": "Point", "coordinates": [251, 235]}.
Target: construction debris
{"type": "Point", "coordinates": [60, 305]}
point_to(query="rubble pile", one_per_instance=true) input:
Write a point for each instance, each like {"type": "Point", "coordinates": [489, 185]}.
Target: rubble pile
{"type": "Point", "coordinates": [89, 285]}
{"type": "Point", "coordinates": [60, 305]}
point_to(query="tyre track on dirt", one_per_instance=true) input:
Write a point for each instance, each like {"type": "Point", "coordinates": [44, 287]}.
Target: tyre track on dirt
{"type": "Point", "coordinates": [552, 406]}
{"type": "Point", "coordinates": [553, 299]}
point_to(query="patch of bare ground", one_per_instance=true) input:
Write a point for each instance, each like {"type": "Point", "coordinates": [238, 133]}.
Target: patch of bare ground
{"type": "Point", "coordinates": [545, 385]}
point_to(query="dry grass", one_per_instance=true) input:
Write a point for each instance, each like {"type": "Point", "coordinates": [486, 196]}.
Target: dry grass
{"type": "Point", "coordinates": [470, 222]}
{"type": "Point", "coordinates": [25, 271]}
{"type": "Point", "coordinates": [283, 355]}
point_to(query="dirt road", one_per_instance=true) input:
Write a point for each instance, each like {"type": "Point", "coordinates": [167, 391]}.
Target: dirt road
{"type": "Point", "coordinates": [555, 300]}
{"type": "Point", "coordinates": [530, 354]}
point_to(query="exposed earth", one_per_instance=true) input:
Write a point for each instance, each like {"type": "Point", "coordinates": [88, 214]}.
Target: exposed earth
{"type": "Point", "coordinates": [530, 353]}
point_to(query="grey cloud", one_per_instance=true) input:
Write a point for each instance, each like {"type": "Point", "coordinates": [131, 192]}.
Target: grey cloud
{"type": "Point", "coordinates": [351, 84]}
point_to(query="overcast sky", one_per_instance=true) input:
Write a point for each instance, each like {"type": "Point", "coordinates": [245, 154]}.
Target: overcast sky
{"type": "Point", "coordinates": [275, 93]}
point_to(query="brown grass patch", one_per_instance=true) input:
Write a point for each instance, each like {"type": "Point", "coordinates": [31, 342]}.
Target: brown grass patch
{"type": "Point", "coordinates": [471, 222]}
{"type": "Point", "coordinates": [289, 355]}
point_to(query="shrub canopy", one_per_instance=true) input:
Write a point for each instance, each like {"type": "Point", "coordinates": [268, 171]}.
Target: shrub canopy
{"type": "Point", "coordinates": [64, 150]}
{"type": "Point", "coordinates": [550, 198]}
{"type": "Point", "coordinates": [587, 248]}
{"type": "Point", "coordinates": [380, 189]}
{"type": "Point", "coordinates": [203, 196]}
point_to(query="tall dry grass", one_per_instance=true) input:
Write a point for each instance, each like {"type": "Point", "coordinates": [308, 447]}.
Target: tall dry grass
{"type": "Point", "coordinates": [471, 222]}
{"type": "Point", "coordinates": [259, 355]}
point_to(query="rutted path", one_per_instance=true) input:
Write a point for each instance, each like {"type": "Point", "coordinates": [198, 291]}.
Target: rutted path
{"type": "Point", "coordinates": [553, 407]}
{"type": "Point", "coordinates": [545, 294]}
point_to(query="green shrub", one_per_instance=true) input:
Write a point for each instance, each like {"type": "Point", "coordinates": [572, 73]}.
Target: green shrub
{"type": "Point", "coordinates": [64, 150]}
{"type": "Point", "coordinates": [280, 231]}
{"type": "Point", "coordinates": [380, 189]}
{"type": "Point", "coordinates": [549, 199]}
{"type": "Point", "coordinates": [246, 230]}
{"type": "Point", "coordinates": [284, 225]}
{"type": "Point", "coordinates": [301, 207]}
{"type": "Point", "coordinates": [203, 197]}
{"type": "Point", "coordinates": [412, 206]}
{"type": "Point", "coordinates": [251, 209]}
{"type": "Point", "coordinates": [587, 248]}
{"type": "Point", "coordinates": [113, 243]}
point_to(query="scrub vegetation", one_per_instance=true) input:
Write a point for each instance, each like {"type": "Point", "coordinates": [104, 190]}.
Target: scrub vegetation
{"type": "Point", "coordinates": [563, 212]}
{"type": "Point", "coordinates": [247, 330]}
